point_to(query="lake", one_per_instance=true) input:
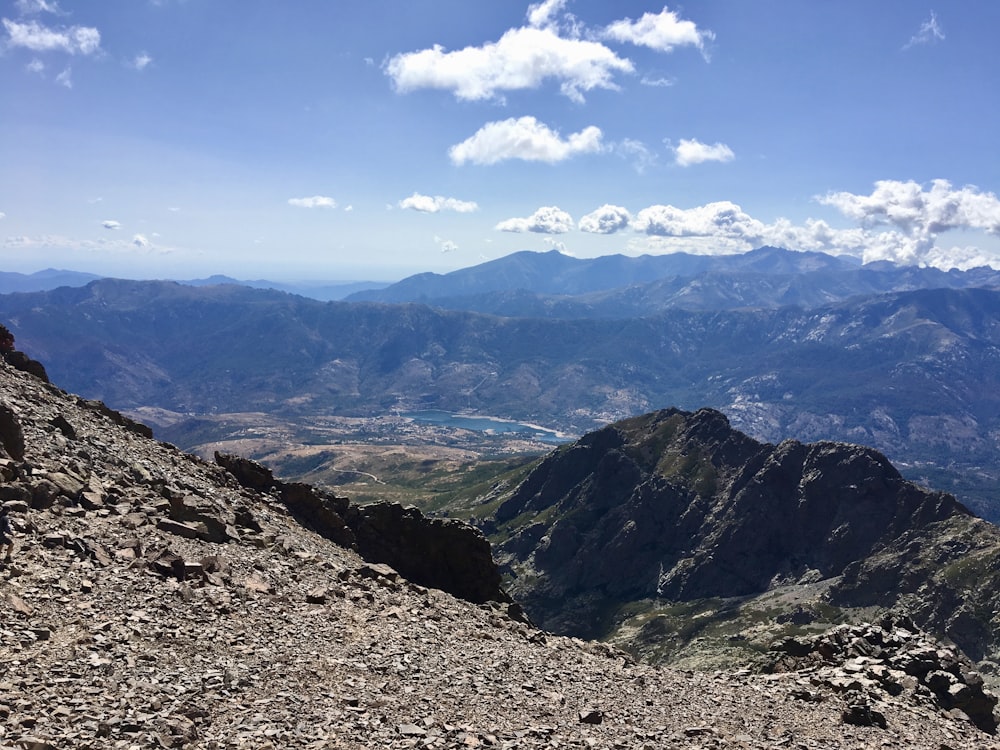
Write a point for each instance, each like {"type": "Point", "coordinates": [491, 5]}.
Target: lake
{"type": "Point", "coordinates": [488, 425]}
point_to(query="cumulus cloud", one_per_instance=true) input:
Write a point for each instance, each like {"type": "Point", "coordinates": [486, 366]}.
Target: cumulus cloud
{"type": "Point", "coordinates": [65, 78]}
{"type": "Point", "coordinates": [898, 222]}
{"type": "Point", "coordinates": [607, 219]}
{"type": "Point", "coordinates": [316, 201]}
{"type": "Point", "coordinates": [661, 31]}
{"type": "Point", "coordinates": [36, 66]}
{"type": "Point", "coordinates": [552, 45]}
{"type": "Point", "coordinates": [3, 215]}
{"type": "Point", "coordinates": [111, 224]}
{"type": "Point", "coordinates": [432, 204]}
{"type": "Point", "coordinates": [523, 58]}
{"type": "Point", "coordinates": [919, 214]}
{"type": "Point", "coordinates": [930, 33]}
{"type": "Point", "coordinates": [718, 219]}
{"type": "Point", "coordinates": [75, 40]}
{"type": "Point", "coordinates": [524, 138]}
{"type": "Point", "coordinates": [139, 241]}
{"type": "Point", "coordinates": [692, 151]}
{"type": "Point", "coordinates": [546, 220]}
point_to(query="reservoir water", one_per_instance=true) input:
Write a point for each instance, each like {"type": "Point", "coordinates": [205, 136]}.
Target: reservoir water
{"type": "Point", "coordinates": [488, 425]}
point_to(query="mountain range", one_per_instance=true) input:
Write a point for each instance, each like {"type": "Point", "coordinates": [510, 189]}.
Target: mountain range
{"type": "Point", "coordinates": [553, 284]}
{"type": "Point", "coordinates": [913, 374]}
{"type": "Point", "coordinates": [51, 278]}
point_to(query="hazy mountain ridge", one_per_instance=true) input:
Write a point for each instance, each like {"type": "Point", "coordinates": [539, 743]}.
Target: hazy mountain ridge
{"type": "Point", "coordinates": [554, 285]}
{"type": "Point", "coordinates": [914, 374]}
{"type": "Point", "coordinates": [49, 279]}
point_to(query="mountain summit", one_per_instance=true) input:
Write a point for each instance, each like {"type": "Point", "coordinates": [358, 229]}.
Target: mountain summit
{"type": "Point", "coordinates": [675, 506]}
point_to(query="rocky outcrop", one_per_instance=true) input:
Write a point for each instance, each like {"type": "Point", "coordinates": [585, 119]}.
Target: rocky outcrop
{"type": "Point", "coordinates": [679, 506]}
{"type": "Point", "coordinates": [448, 555]}
{"type": "Point", "coordinates": [18, 359]}
{"type": "Point", "coordinates": [893, 658]}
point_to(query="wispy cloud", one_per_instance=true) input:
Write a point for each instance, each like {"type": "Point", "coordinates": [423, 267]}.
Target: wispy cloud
{"type": "Point", "coordinates": [66, 77]}
{"type": "Point", "coordinates": [930, 33]}
{"type": "Point", "coordinates": [546, 220]}
{"type": "Point", "coordinates": [446, 246]}
{"type": "Point", "coordinates": [433, 204]}
{"type": "Point", "coordinates": [524, 138]}
{"type": "Point", "coordinates": [316, 201]}
{"type": "Point", "coordinates": [32, 7]}
{"type": "Point", "coordinates": [75, 40]}
{"type": "Point", "coordinates": [140, 62]}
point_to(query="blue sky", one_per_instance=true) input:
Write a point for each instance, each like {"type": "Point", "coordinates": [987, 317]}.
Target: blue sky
{"type": "Point", "coordinates": [329, 139]}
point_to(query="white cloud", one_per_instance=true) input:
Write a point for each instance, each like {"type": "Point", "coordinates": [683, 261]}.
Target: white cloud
{"type": "Point", "coordinates": [36, 66]}
{"type": "Point", "coordinates": [140, 61]}
{"type": "Point", "coordinates": [523, 138]}
{"type": "Point", "coordinates": [348, 209]}
{"type": "Point", "coordinates": [111, 224]}
{"type": "Point", "coordinates": [898, 222]}
{"type": "Point", "coordinates": [65, 78]}
{"type": "Point", "coordinates": [316, 201]}
{"type": "Point", "coordinates": [447, 246]}
{"type": "Point", "coordinates": [139, 241]}
{"type": "Point", "coordinates": [3, 215]}
{"type": "Point", "coordinates": [433, 204]}
{"type": "Point", "coordinates": [523, 58]}
{"type": "Point", "coordinates": [661, 31]}
{"type": "Point", "coordinates": [607, 219]}
{"type": "Point", "coordinates": [692, 151]}
{"type": "Point", "coordinates": [83, 40]}
{"type": "Point", "coordinates": [543, 14]}
{"type": "Point", "coordinates": [719, 219]}
{"type": "Point", "coordinates": [930, 32]}
{"type": "Point", "coordinates": [546, 220]}
{"type": "Point", "coordinates": [918, 215]}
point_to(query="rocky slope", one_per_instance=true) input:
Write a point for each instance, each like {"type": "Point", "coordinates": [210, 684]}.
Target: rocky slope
{"type": "Point", "coordinates": [155, 601]}
{"type": "Point", "coordinates": [677, 506]}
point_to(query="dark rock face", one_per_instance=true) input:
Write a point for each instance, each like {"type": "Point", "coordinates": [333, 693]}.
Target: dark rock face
{"type": "Point", "coordinates": [18, 359]}
{"type": "Point", "coordinates": [448, 555]}
{"type": "Point", "coordinates": [678, 505]}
